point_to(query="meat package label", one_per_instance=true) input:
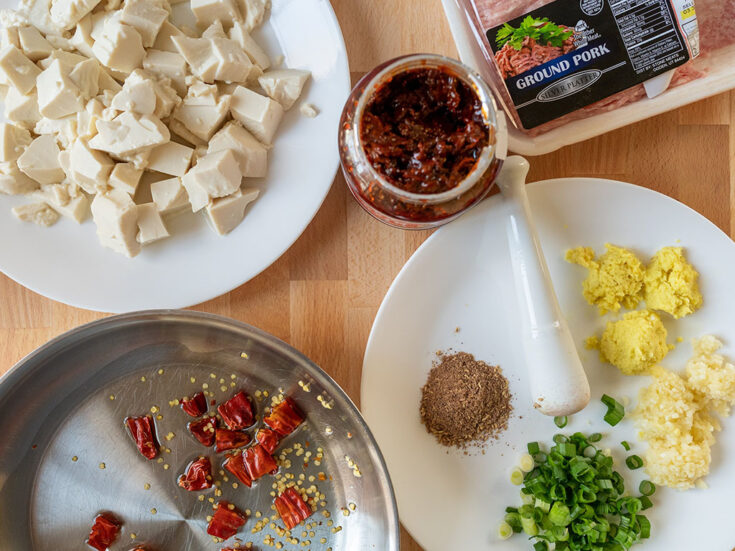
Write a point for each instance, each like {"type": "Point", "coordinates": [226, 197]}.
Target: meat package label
{"type": "Point", "coordinates": [571, 53]}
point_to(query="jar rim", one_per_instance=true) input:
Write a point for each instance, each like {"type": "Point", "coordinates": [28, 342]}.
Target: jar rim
{"type": "Point", "coordinates": [489, 112]}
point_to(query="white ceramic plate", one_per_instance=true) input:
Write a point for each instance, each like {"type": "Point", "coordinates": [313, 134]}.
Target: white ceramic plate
{"type": "Point", "coordinates": [462, 278]}
{"type": "Point", "coordinates": [66, 262]}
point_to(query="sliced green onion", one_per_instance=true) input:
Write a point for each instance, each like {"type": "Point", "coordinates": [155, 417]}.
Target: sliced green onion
{"type": "Point", "coordinates": [529, 526]}
{"type": "Point", "coordinates": [505, 531]}
{"type": "Point", "coordinates": [540, 546]}
{"type": "Point", "coordinates": [634, 462]}
{"type": "Point", "coordinates": [625, 445]}
{"type": "Point", "coordinates": [595, 437]}
{"type": "Point", "coordinates": [647, 488]}
{"type": "Point", "coordinates": [514, 521]}
{"type": "Point", "coordinates": [645, 526]}
{"type": "Point", "coordinates": [516, 477]}
{"type": "Point", "coordinates": [561, 421]}
{"type": "Point", "coordinates": [559, 514]}
{"type": "Point", "coordinates": [567, 450]}
{"type": "Point", "coordinates": [533, 448]}
{"type": "Point", "coordinates": [526, 463]}
{"type": "Point", "coordinates": [615, 410]}
{"type": "Point", "coordinates": [646, 502]}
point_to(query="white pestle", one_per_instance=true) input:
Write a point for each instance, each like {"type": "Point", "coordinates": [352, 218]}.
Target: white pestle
{"type": "Point", "coordinates": [559, 384]}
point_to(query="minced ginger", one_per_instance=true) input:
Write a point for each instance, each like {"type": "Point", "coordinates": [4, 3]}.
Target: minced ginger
{"type": "Point", "coordinates": [615, 279]}
{"type": "Point", "coordinates": [670, 283]}
{"type": "Point", "coordinates": [633, 344]}
{"type": "Point", "coordinates": [676, 415]}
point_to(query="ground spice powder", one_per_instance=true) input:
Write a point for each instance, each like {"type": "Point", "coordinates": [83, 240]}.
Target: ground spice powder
{"type": "Point", "coordinates": [465, 401]}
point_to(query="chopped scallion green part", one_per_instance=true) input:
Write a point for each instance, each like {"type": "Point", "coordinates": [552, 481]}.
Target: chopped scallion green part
{"type": "Point", "coordinates": [615, 410]}
{"type": "Point", "coordinates": [634, 462]}
{"type": "Point", "coordinates": [529, 526]}
{"type": "Point", "coordinates": [595, 437]}
{"type": "Point", "coordinates": [625, 444]}
{"type": "Point", "coordinates": [561, 422]}
{"type": "Point", "coordinates": [647, 488]}
{"type": "Point", "coordinates": [533, 448]}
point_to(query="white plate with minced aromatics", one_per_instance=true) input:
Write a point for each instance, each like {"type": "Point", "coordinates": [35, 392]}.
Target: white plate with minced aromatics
{"type": "Point", "coordinates": [67, 263]}
{"type": "Point", "coordinates": [457, 293]}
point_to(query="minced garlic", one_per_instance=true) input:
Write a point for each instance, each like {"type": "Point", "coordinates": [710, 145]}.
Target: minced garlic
{"type": "Point", "coordinates": [675, 416]}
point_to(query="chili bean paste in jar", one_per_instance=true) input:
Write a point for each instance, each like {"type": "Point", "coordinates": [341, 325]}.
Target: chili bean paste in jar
{"type": "Point", "coordinates": [423, 130]}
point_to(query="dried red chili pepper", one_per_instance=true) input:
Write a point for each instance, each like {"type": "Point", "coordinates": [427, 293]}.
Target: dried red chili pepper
{"type": "Point", "coordinates": [226, 439]}
{"type": "Point", "coordinates": [104, 532]}
{"type": "Point", "coordinates": [143, 433]}
{"type": "Point", "coordinates": [237, 412]}
{"type": "Point", "coordinates": [204, 430]}
{"type": "Point", "coordinates": [268, 439]}
{"type": "Point", "coordinates": [226, 521]}
{"type": "Point", "coordinates": [236, 465]}
{"type": "Point", "coordinates": [285, 417]}
{"type": "Point", "coordinates": [292, 508]}
{"type": "Point", "coordinates": [196, 406]}
{"type": "Point", "coordinates": [259, 462]}
{"type": "Point", "coordinates": [198, 475]}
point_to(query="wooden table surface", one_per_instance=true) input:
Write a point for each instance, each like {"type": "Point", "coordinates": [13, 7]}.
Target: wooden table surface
{"type": "Point", "coordinates": [321, 296]}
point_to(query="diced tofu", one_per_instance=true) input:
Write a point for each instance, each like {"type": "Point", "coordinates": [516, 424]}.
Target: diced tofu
{"type": "Point", "coordinates": [106, 82]}
{"type": "Point", "coordinates": [82, 38]}
{"type": "Point", "coordinates": [177, 128]}
{"type": "Point", "coordinates": [66, 199]}
{"type": "Point", "coordinates": [201, 94]}
{"type": "Point", "coordinates": [150, 225]}
{"type": "Point", "coordinates": [86, 77]}
{"type": "Point", "coordinates": [64, 129]}
{"type": "Point", "coordinates": [58, 96]}
{"type": "Point", "coordinates": [257, 55]}
{"type": "Point", "coordinates": [208, 11]}
{"type": "Point", "coordinates": [98, 20]}
{"type": "Point", "coordinates": [166, 98]}
{"type": "Point", "coordinates": [170, 158]}
{"type": "Point", "coordinates": [9, 36]}
{"type": "Point", "coordinates": [146, 17]}
{"type": "Point", "coordinates": [33, 44]}
{"type": "Point", "coordinates": [66, 13]}
{"type": "Point", "coordinates": [116, 217]}
{"type": "Point", "coordinates": [167, 64]}
{"type": "Point", "coordinates": [234, 64]}
{"type": "Point", "coordinates": [120, 47]}
{"type": "Point", "coordinates": [308, 110]}
{"type": "Point", "coordinates": [125, 177]}
{"type": "Point", "coordinates": [169, 196]}
{"type": "Point", "coordinates": [259, 114]}
{"type": "Point", "coordinates": [215, 30]}
{"type": "Point", "coordinates": [226, 213]}
{"type": "Point", "coordinates": [38, 12]}
{"type": "Point", "coordinates": [251, 155]}
{"type": "Point", "coordinates": [128, 133]}
{"type": "Point", "coordinates": [202, 120]}
{"type": "Point", "coordinates": [199, 55]}
{"type": "Point", "coordinates": [68, 60]}
{"type": "Point", "coordinates": [37, 213]}
{"type": "Point", "coordinates": [20, 109]}
{"type": "Point", "coordinates": [17, 69]}
{"type": "Point", "coordinates": [40, 161]}
{"type": "Point", "coordinates": [139, 159]}
{"type": "Point", "coordinates": [215, 175]}
{"type": "Point", "coordinates": [89, 168]}
{"type": "Point", "coordinates": [87, 123]}
{"type": "Point", "coordinates": [137, 95]}
{"type": "Point", "coordinates": [254, 12]}
{"type": "Point", "coordinates": [13, 141]}
{"type": "Point", "coordinates": [284, 85]}
{"type": "Point", "coordinates": [164, 40]}
{"type": "Point", "coordinates": [14, 182]}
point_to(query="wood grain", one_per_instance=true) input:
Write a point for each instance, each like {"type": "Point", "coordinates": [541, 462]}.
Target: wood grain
{"type": "Point", "coordinates": [322, 295]}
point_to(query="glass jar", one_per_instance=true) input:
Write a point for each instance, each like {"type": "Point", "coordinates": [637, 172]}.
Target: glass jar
{"type": "Point", "coordinates": [396, 206]}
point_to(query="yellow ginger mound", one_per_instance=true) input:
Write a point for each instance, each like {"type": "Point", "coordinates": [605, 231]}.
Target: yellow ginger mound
{"type": "Point", "coordinates": [633, 344]}
{"type": "Point", "coordinates": [675, 415]}
{"type": "Point", "coordinates": [671, 283]}
{"type": "Point", "coordinates": [615, 279]}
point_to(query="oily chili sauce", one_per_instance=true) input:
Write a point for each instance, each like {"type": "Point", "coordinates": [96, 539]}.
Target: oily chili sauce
{"type": "Point", "coordinates": [424, 130]}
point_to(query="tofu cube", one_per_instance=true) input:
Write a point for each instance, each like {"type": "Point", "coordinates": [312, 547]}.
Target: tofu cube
{"type": "Point", "coordinates": [137, 95]}
{"type": "Point", "coordinates": [13, 141]}
{"type": "Point", "coordinates": [86, 77]}
{"type": "Point", "coordinates": [145, 17]}
{"type": "Point", "coordinates": [150, 226]}
{"type": "Point", "coordinates": [14, 182]}
{"type": "Point", "coordinates": [90, 169]}
{"type": "Point", "coordinates": [164, 40]}
{"type": "Point", "coordinates": [226, 213]}
{"type": "Point", "coordinates": [20, 109]}
{"type": "Point", "coordinates": [66, 199]}
{"type": "Point", "coordinates": [82, 38]}
{"type": "Point", "coordinates": [40, 161]}
{"type": "Point", "coordinates": [120, 47]}
{"type": "Point", "coordinates": [9, 36]}
{"type": "Point", "coordinates": [170, 158]}
{"type": "Point", "coordinates": [199, 55]}
{"type": "Point", "coordinates": [234, 64]}
{"type": "Point", "coordinates": [169, 196]}
{"type": "Point", "coordinates": [17, 69]}
{"type": "Point", "coordinates": [251, 155]}
{"type": "Point", "coordinates": [64, 129]}
{"type": "Point", "coordinates": [257, 55]}
{"type": "Point", "coordinates": [259, 114]}
{"type": "Point", "coordinates": [66, 13]}
{"type": "Point", "coordinates": [57, 94]}
{"type": "Point", "coordinates": [254, 11]}
{"type": "Point", "coordinates": [167, 64]}
{"type": "Point", "coordinates": [202, 120]}
{"type": "Point", "coordinates": [125, 177]}
{"type": "Point", "coordinates": [38, 213]}
{"type": "Point", "coordinates": [116, 217]}
{"type": "Point", "coordinates": [208, 11]}
{"type": "Point", "coordinates": [215, 175]}
{"type": "Point", "coordinates": [33, 44]}
{"type": "Point", "coordinates": [284, 85]}
{"type": "Point", "coordinates": [128, 133]}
